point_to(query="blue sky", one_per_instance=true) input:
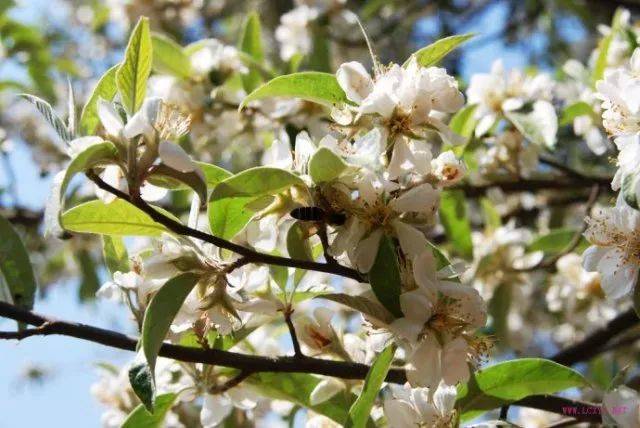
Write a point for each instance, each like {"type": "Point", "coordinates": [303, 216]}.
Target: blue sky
{"type": "Point", "coordinates": [63, 400]}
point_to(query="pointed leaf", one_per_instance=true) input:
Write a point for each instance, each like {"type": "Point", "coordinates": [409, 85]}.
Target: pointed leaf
{"type": "Point", "coordinates": [510, 381]}
{"type": "Point", "coordinates": [360, 304]}
{"type": "Point", "coordinates": [325, 165]}
{"type": "Point", "coordinates": [132, 75]}
{"type": "Point", "coordinates": [322, 88]}
{"type": "Point", "coordinates": [162, 309]}
{"type": "Point", "coordinates": [50, 116]}
{"type": "Point", "coordinates": [384, 277]}
{"type": "Point", "coordinates": [141, 418]}
{"type": "Point", "coordinates": [15, 266]}
{"type": "Point", "coordinates": [168, 57]}
{"type": "Point", "coordinates": [251, 44]}
{"type": "Point", "coordinates": [361, 408]}
{"type": "Point", "coordinates": [106, 89]}
{"type": "Point", "coordinates": [432, 54]}
{"type": "Point", "coordinates": [118, 218]}
{"type": "Point", "coordinates": [116, 257]}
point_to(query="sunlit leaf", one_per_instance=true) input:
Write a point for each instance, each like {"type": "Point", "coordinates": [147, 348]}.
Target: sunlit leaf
{"type": "Point", "coordinates": [432, 54]}
{"type": "Point", "coordinates": [361, 408]}
{"type": "Point", "coordinates": [132, 75]}
{"type": "Point", "coordinates": [322, 88]}
{"type": "Point", "coordinates": [116, 257]}
{"type": "Point", "coordinates": [251, 44]}
{"type": "Point", "coordinates": [168, 57]}
{"type": "Point", "coordinates": [141, 418]}
{"type": "Point", "coordinates": [105, 89]}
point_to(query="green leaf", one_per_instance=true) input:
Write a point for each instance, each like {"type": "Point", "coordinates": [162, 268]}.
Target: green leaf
{"type": "Point", "coordinates": [570, 112]}
{"type": "Point", "coordinates": [115, 254]}
{"type": "Point", "coordinates": [325, 165]}
{"type": "Point", "coordinates": [165, 176]}
{"type": "Point", "coordinates": [15, 266]}
{"type": "Point", "coordinates": [432, 54]}
{"type": "Point", "coordinates": [168, 57]}
{"type": "Point", "coordinates": [132, 75]}
{"type": "Point", "coordinates": [441, 259]}
{"type": "Point", "coordinates": [141, 380]}
{"type": "Point", "coordinates": [463, 123]}
{"type": "Point", "coordinates": [384, 277]}
{"type": "Point", "coordinates": [251, 44]}
{"type": "Point", "coordinates": [510, 381]}
{"type": "Point", "coordinates": [490, 214]}
{"type": "Point", "coordinates": [106, 89]}
{"type": "Point", "coordinates": [213, 175]}
{"type": "Point", "coordinates": [322, 88]}
{"type": "Point", "coordinates": [297, 388]}
{"type": "Point", "coordinates": [499, 306]}
{"type": "Point", "coordinates": [116, 218]}
{"type": "Point", "coordinates": [141, 418]}
{"type": "Point", "coordinates": [360, 304]}
{"type": "Point", "coordinates": [361, 408]}
{"type": "Point", "coordinates": [628, 189]}
{"type": "Point", "coordinates": [453, 214]}
{"type": "Point", "coordinates": [162, 309]}
{"type": "Point", "coordinates": [319, 58]}
{"type": "Point", "coordinates": [229, 211]}
{"type": "Point", "coordinates": [556, 241]}
{"type": "Point", "coordinates": [50, 116]}
{"type": "Point", "coordinates": [89, 280]}
{"type": "Point", "coordinates": [94, 155]}
{"type": "Point", "coordinates": [299, 248]}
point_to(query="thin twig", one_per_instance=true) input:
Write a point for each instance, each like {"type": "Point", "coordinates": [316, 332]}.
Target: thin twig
{"type": "Point", "coordinates": [231, 383]}
{"type": "Point", "coordinates": [292, 332]}
{"type": "Point", "coordinates": [250, 255]}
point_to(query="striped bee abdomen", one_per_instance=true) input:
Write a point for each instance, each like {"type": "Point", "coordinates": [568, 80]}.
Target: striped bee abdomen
{"type": "Point", "coordinates": [308, 213]}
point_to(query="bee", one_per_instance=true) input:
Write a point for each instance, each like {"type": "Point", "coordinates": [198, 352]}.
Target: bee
{"type": "Point", "coordinates": [317, 214]}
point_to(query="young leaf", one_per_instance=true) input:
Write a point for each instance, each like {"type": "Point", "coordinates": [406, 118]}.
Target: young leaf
{"type": "Point", "coordinates": [16, 267]}
{"type": "Point", "coordinates": [579, 108]}
{"type": "Point", "coordinates": [299, 248]}
{"type": "Point", "coordinates": [94, 155]}
{"type": "Point", "coordinates": [361, 408]}
{"type": "Point", "coordinates": [228, 210]}
{"type": "Point", "coordinates": [116, 218]}
{"type": "Point", "coordinates": [384, 277]}
{"type": "Point", "coordinates": [432, 54]}
{"type": "Point", "coordinates": [132, 75]}
{"type": "Point", "coordinates": [105, 89]}
{"type": "Point", "coordinates": [162, 309]}
{"type": "Point", "coordinates": [453, 214]}
{"type": "Point", "coordinates": [322, 88]}
{"type": "Point", "coordinates": [297, 388]}
{"type": "Point", "coordinates": [141, 418]}
{"type": "Point", "coordinates": [464, 122]}
{"type": "Point", "coordinates": [555, 241]}
{"type": "Point", "coordinates": [141, 380]}
{"type": "Point", "coordinates": [168, 57]}
{"type": "Point", "coordinates": [510, 381]}
{"type": "Point", "coordinates": [165, 176]}
{"type": "Point", "coordinates": [360, 304]}
{"type": "Point", "coordinates": [325, 165]}
{"type": "Point", "coordinates": [50, 116]}
{"type": "Point", "coordinates": [115, 254]}
{"type": "Point", "coordinates": [251, 44]}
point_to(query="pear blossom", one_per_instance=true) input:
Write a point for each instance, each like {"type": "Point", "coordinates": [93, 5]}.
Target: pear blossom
{"type": "Point", "coordinates": [405, 100]}
{"type": "Point", "coordinates": [293, 33]}
{"type": "Point", "coordinates": [408, 407]}
{"type": "Point", "coordinates": [448, 169]}
{"type": "Point", "coordinates": [613, 233]}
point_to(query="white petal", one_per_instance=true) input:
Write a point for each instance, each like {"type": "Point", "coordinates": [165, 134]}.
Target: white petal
{"type": "Point", "coordinates": [412, 241]}
{"type": "Point", "coordinates": [366, 251]}
{"type": "Point", "coordinates": [324, 390]}
{"type": "Point", "coordinates": [214, 409]}
{"type": "Point", "coordinates": [175, 157]}
{"type": "Point", "coordinates": [354, 80]}
{"type": "Point", "coordinates": [109, 117]}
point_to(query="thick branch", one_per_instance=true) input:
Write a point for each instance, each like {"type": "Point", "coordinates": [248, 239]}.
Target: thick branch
{"type": "Point", "coordinates": [593, 344]}
{"type": "Point", "coordinates": [243, 362]}
{"type": "Point", "coordinates": [251, 256]}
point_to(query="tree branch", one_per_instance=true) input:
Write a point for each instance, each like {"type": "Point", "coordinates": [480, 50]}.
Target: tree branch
{"type": "Point", "coordinates": [595, 343]}
{"type": "Point", "coordinates": [250, 255]}
{"type": "Point", "coordinates": [243, 362]}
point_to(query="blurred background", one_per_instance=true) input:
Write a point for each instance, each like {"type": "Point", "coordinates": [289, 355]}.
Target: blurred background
{"type": "Point", "coordinates": [46, 43]}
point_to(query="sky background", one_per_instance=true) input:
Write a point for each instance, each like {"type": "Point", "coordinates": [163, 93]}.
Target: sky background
{"type": "Point", "coordinates": [63, 398]}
